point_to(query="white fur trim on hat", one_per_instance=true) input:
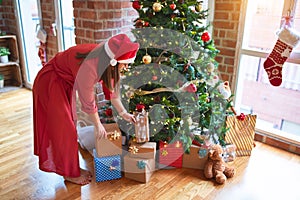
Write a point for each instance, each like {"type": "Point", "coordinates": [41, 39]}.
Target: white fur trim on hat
{"type": "Point", "coordinates": [289, 36]}
{"type": "Point", "coordinates": [130, 60]}
{"type": "Point", "coordinates": [113, 61]}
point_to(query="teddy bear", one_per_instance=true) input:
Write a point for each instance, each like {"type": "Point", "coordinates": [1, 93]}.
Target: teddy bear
{"type": "Point", "coordinates": [215, 167]}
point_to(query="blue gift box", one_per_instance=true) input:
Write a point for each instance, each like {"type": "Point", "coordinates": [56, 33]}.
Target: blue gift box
{"type": "Point", "coordinates": [107, 168]}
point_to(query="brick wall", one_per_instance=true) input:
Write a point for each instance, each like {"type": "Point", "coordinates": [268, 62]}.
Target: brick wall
{"type": "Point", "coordinates": [225, 34]}
{"type": "Point", "coordinates": [95, 20]}
{"type": "Point", "coordinates": [8, 22]}
{"type": "Point", "coordinates": [98, 20]}
{"type": "Point", "coordinates": [48, 17]}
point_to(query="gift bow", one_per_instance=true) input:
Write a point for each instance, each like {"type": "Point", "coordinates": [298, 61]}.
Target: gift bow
{"type": "Point", "coordinates": [114, 165]}
{"type": "Point", "coordinates": [133, 149]}
{"type": "Point", "coordinates": [115, 135]}
{"type": "Point", "coordinates": [141, 164]}
{"type": "Point", "coordinates": [164, 153]}
{"type": "Point", "coordinates": [202, 153]}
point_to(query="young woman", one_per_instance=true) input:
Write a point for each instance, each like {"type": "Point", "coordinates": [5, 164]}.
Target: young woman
{"type": "Point", "coordinates": [77, 69]}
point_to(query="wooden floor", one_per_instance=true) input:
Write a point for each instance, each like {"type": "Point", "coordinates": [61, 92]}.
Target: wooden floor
{"type": "Point", "coordinates": [269, 174]}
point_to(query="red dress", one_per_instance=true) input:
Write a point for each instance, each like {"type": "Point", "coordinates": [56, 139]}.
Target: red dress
{"type": "Point", "coordinates": [54, 108]}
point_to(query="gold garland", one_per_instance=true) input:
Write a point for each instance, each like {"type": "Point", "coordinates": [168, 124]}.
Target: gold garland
{"type": "Point", "coordinates": [158, 90]}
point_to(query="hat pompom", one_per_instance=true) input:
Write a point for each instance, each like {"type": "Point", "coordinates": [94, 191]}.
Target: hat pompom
{"type": "Point", "coordinates": [113, 62]}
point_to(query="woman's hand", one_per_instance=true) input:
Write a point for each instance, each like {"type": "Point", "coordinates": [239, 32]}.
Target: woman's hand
{"type": "Point", "coordinates": [100, 132]}
{"type": "Point", "coordinates": [129, 117]}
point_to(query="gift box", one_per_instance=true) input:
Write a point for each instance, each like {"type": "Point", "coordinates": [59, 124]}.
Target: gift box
{"type": "Point", "coordinates": [99, 96]}
{"type": "Point", "coordinates": [103, 103]}
{"type": "Point", "coordinates": [170, 154]}
{"type": "Point", "coordinates": [142, 127]}
{"type": "Point", "coordinates": [107, 168]}
{"type": "Point", "coordinates": [146, 150]}
{"type": "Point", "coordinates": [98, 88]}
{"type": "Point", "coordinates": [197, 157]}
{"type": "Point", "coordinates": [138, 169]}
{"type": "Point", "coordinates": [112, 145]}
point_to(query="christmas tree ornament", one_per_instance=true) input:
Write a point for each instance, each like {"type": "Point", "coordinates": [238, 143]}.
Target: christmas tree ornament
{"type": "Point", "coordinates": [147, 59]}
{"type": "Point", "coordinates": [140, 107]}
{"type": "Point", "coordinates": [210, 67]}
{"type": "Point", "coordinates": [139, 23]}
{"type": "Point", "coordinates": [146, 24]}
{"type": "Point", "coordinates": [191, 88]}
{"type": "Point", "coordinates": [288, 39]}
{"type": "Point", "coordinates": [136, 5]}
{"type": "Point", "coordinates": [154, 78]}
{"type": "Point", "coordinates": [198, 7]}
{"type": "Point", "coordinates": [205, 37]}
{"type": "Point", "coordinates": [225, 90]}
{"type": "Point", "coordinates": [157, 7]}
{"type": "Point", "coordinates": [172, 6]}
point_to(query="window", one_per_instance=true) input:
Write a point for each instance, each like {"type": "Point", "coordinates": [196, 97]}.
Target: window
{"type": "Point", "coordinates": [277, 108]}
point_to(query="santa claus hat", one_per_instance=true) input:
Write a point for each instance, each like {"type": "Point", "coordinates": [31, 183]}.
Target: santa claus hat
{"type": "Point", "coordinates": [120, 49]}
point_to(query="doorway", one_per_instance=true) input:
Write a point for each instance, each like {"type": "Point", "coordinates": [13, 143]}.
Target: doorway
{"type": "Point", "coordinates": [29, 18]}
{"type": "Point", "coordinates": [64, 24]}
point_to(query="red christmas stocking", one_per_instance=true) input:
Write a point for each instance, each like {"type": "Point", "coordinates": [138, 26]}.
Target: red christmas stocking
{"type": "Point", "coordinates": [287, 40]}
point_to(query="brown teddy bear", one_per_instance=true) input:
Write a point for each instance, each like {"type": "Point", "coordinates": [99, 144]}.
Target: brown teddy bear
{"type": "Point", "coordinates": [215, 166]}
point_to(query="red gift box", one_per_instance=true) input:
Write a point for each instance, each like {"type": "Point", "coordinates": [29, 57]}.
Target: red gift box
{"type": "Point", "coordinates": [170, 154]}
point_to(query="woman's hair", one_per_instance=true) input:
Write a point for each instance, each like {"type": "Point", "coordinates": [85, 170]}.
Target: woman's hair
{"type": "Point", "coordinates": [105, 71]}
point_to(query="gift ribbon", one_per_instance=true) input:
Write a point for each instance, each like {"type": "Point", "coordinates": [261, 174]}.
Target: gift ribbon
{"type": "Point", "coordinates": [157, 90]}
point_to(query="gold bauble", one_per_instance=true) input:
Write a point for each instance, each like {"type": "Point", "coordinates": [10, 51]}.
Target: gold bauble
{"type": "Point", "coordinates": [210, 67]}
{"type": "Point", "coordinates": [147, 59]}
{"type": "Point", "coordinates": [156, 7]}
{"type": "Point", "coordinates": [198, 7]}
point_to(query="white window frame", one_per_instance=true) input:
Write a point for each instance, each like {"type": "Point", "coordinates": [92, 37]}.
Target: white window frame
{"type": "Point", "coordinates": [289, 8]}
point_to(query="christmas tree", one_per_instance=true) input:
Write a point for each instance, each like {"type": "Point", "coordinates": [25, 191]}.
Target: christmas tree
{"type": "Point", "coordinates": [175, 73]}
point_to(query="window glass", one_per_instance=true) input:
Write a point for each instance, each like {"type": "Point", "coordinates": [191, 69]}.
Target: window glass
{"type": "Point", "coordinates": [296, 23]}
{"type": "Point", "coordinates": [263, 19]}
{"type": "Point", "coordinates": [277, 108]}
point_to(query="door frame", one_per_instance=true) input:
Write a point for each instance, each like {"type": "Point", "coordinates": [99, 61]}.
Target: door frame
{"type": "Point", "coordinates": [21, 43]}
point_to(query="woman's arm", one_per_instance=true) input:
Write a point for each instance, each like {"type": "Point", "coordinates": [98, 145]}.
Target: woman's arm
{"type": "Point", "coordinates": [99, 130]}
{"type": "Point", "coordinates": [116, 102]}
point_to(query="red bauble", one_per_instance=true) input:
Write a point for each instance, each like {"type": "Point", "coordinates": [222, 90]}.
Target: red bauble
{"type": "Point", "coordinates": [192, 88]}
{"type": "Point", "coordinates": [146, 24]}
{"type": "Point", "coordinates": [139, 24]}
{"type": "Point", "coordinates": [108, 112]}
{"type": "Point", "coordinates": [140, 107]}
{"type": "Point", "coordinates": [154, 78]}
{"type": "Point", "coordinates": [173, 6]}
{"type": "Point", "coordinates": [136, 5]}
{"type": "Point", "coordinates": [205, 37]}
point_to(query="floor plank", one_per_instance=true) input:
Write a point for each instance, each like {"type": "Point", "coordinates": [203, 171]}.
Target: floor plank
{"type": "Point", "coordinates": [269, 173]}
